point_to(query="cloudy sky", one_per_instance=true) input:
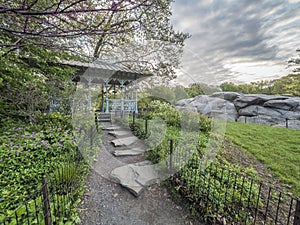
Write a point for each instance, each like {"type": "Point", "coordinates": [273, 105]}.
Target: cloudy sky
{"type": "Point", "coordinates": [237, 40]}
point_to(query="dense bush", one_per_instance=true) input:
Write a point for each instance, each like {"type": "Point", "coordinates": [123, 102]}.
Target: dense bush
{"type": "Point", "coordinates": [49, 149]}
{"type": "Point", "coordinates": [216, 189]}
{"type": "Point", "coordinates": [27, 156]}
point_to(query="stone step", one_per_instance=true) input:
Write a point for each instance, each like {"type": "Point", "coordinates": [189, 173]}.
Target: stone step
{"type": "Point", "coordinates": [129, 152]}
{"type": "Point", "coordinates": [120, 133]}
{"type": "Point", "coordinates": [111, 128]}
{"type": "Point", "coordinates": [103, 117]}
{"type": "Point", "coordinates": [126, 141]}
{"type": "Point", "coordinates": [135, 177]}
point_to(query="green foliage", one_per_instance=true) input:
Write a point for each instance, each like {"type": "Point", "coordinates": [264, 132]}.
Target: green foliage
{"type": "Point", "coordinates": [196, 89]}
{"type": "Point", "coordinates": [205, 123]}
{"type": "Point", "coordinates": [32, 211]}
{"type": "Point", "coordinates": [27, 154]}
{"type": "Point", "coordinates": [216, 189]}
{"type": "Point", "coordinates": [288, 85]}
{"type": "Point", "coordinates": [162, 92]}
{"type": "Point", "coordinates": [211, 189]}
{"type": "Point", "coordinates": [166, 112]}
{"type": "Point", "coordinates": [29, 80]}
{"type": "Point", "coordinates": [138, 128]}
{"type": "Point", "coordinates": [55, 120]}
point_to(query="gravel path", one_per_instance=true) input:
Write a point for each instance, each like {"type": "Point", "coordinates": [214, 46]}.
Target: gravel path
{"type": "Point", "coordinates": [107, 203]}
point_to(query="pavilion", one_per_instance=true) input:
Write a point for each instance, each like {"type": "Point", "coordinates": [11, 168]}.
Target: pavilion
{"type": "Point", "coordinates": [113, 78]}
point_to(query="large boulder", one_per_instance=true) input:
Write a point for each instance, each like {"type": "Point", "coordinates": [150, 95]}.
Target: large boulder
{"type": "Point", "coordinates": [290, 104]}
{"type": "Point", "coordinates": [255, 110]}
{"type": "Point", "coordinates": [251, 108]}
{"type": "Point", "coordinates": [207, 105]}
{"type": "Point", "coordinates": [263, 120]}
{"type": "Point", "coordinates": [229, 96]}
{"type": "Point", "coordinates": [257, 99]}
{"type": "Point", "coordinates": [183, 102]}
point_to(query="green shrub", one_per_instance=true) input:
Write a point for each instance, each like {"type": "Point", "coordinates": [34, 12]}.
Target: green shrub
{"type": "Point", "coordinates": [26, 156]}
{"type": "Point", "coordinates": [55, 120]}
{"type": "Point", "coordinates": [216, 189]}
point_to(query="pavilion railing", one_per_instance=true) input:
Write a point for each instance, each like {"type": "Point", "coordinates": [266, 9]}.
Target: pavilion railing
{"type": "Point", "coordinates": [125, 105]}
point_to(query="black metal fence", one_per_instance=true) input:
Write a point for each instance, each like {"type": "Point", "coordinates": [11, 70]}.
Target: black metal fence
{"type": "Point", "coordinates": [227, 196]}
{"type": "Point", "coordinates": [53, 202]}
{"type": "Point", "coordinates": [287, 123]}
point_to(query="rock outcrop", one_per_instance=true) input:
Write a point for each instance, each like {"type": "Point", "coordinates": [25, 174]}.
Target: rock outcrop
{"type": "Point", "coordinates": [281, 111]}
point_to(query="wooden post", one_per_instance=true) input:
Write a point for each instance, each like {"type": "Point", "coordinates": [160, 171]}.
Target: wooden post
{"type": "Point", "coordinates": [46, 200]}
{"type": "Point", "coordinates": [297, 213]}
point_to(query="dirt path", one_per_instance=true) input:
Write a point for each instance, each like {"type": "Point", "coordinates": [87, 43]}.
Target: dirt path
{"type": "Point", "coordinates": [107, 203]}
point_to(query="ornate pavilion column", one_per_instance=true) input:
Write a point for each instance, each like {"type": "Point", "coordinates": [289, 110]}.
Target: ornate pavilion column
{"type": "Point", "coordinates": [106, 96]}
{"type": "Point", "coordinates": [136, 96]}
{"type": "Point", "coordinates": [122, 94]}
{"type": "Point", "coordinates": [89, 100]}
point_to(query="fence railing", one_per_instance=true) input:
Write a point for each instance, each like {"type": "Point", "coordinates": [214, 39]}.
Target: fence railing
{"type": "Point", "coordinates": [53, 201]}
{"type": "Point", "coordinates": [220, 194]}
{"type": "Point", "coordinates": [227, 196]}
{"type": "Point", "coordinates": [287, 123]}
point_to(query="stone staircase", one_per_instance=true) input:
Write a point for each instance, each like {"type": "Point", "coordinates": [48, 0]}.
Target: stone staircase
{"type": "Point", "coordinates": [124, 156]}
{"type": "Point", "coordinates": [102, 117]}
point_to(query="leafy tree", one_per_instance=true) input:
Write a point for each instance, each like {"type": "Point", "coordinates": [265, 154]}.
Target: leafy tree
{"type": "Point", "coordinates": [155, 48]}
{"type": "Point", "coordinates": [58, 23]}
{"type": "Point", "coordinates": [287, 85]}
{"type": "Point", "coordinates": [25, 82]}
{"type": "Point", "coordinates": [36, 34]}
{"type": "Point", "coordinates": [161, 92]}
{"type": "Point", "coordinates": [179, 92]}
{"type": "Point", "coordinates": [83, 25]}
{"type": "Point", "coordinates": [196, 89]}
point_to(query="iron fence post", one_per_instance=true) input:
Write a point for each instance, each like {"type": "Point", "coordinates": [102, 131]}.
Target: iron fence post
{"type": "Point", "coordinates": [171, 155]}
{"type": "Point", "coordinates": [46, 200]}
{"type": "Point", "coordinates": [146, 126]}
{"type": "Point", "coordinates": [297, 213]}
{"type": "Point", "coordinates": [91, 137]}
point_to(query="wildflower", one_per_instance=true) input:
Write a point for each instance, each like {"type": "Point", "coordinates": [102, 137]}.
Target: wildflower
{"type": "Point", "coordinates": [28, 151]}
{"type": "Point", "coordinates": [17, 152]}
{"type": "Point", "coordinates": [32, 135]}
{"type": "Point", "coordinates": [22, 136]}
{"type": "Point", "coordinates": [1, 199]}
{"type": "Point", "coordinates": [1, 160]}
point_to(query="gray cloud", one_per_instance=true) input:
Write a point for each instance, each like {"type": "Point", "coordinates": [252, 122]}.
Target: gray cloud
{"type": "Point", "coordinates": [234, 32]}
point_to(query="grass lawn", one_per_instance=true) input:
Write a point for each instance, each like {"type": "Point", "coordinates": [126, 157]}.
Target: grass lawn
{"type": "Point", "coordinates": [277, 148]}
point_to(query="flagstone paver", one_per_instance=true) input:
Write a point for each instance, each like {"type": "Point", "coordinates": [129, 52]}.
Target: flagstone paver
{"type": "Point", "coordinates": [120, 133]}
{"type": "Point", "coordinates": [129, 152]}
{"type": "Point", "coordinates": [126, 141]}
{"type": "Point", "coordinates": [135, 177]}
